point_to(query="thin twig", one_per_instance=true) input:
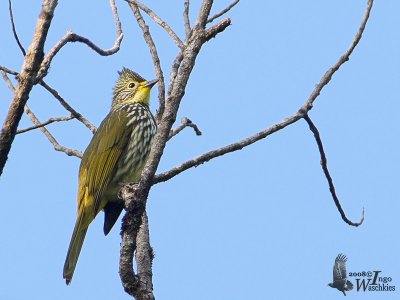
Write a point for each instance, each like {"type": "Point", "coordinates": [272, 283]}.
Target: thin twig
{"type": "Point", "coordinates": [68, 107]}
{"type": "Point", "coordinates": [224, 11]}
{"type": "Point", "coordinates": [162, 177]}
{"type": "Point", "coordinates": [8, 81]}
{"type": "Point", "coordinates": [186, 19]}
{"type": "Point", "coordinates": [49, 121]}
{"type": "Point", "coordinates": [159, 21]}
{"type": "Point", "coordinates": [344, 58]}
{"type": "Point", "coordinates": [14, 29]}
{"type": "Point", "coordinates": [156, 60]}
{"type": "Point", "coordinates": [174, 71]}
{"type": "Point", "coordinates": [7, 70]}
{"type": "Point", "coordinates": [278, 126]}
{"type": "Point", "coordinates": [324, 165]}
{"type": "Point", "coordinates": [73, 37]}
{"type": "Point", "coordinates": [50, 137]}
{"type": "Point", "coordinates": [185, 122]}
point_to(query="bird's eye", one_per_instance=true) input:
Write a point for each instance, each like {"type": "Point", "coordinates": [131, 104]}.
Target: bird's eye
{"type": "Point", "coordinates": [131, 85]}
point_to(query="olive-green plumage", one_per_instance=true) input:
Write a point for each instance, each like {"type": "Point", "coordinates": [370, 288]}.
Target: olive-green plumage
{"type": "Point", "coordinates": [116, 155]}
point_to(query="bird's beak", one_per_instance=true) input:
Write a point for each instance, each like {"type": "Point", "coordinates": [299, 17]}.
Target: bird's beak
{"type": "Point", "coordinates": [151, 83]}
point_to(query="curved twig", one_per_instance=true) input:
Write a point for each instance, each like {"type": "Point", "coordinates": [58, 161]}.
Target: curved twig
{"type": "Point", "coordinates": [73, 37]}
{"type": "Point", "coordinates": [185, 122]}
{"type": "Point", "coordinates": [49, 121]}
{"type": "Point", "coordinates": [14, 30]}
{"type": "Point", "coordinates": [324, 165]}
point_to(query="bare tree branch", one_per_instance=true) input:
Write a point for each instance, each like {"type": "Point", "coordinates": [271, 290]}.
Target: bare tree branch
{"type": "Point", "coordinates": [324, 165]}
{"type": "Point", "coordinates": [73, 37]}
{"type": "Point", "coordinates": [29, 71]}
{"type": "Point", "coordinates": [158, 21]}
{"type": "Point", "coordinates": [68, 107]}
{"type": "Point", "coordinates": [144, 260]}
{"type": "Point", "coordinates": [224, 11]}
{"type": "Point", "coordinates": [174, 71]}
{"type": "Point", "coordinates": [186, 19]}
{"type": "Point", "coordinates": [8, 81]}
{"type": "Point", "coordinates": [38, 124]}
{"type": "Point", "coordinates": [14, 29]}
{"type": "Point", "coordinates": [50, 137]}
{"type": "Point", "coordinates": [218, 28]}
{"type": "Point", "coordinates": [278, 126]}
{"type": "Point", "coordinates": [185, 122]}
{"type": "Point", "coordinates": [155, 57]}
{"type": "Point", "coordinates": [135, 237]}
{"type": "Point", "coordinates": [8, 71]}
{"type": "Point", "coordinates": [49, 121]}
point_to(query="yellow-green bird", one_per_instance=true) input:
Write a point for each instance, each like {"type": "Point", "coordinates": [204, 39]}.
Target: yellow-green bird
{"type": "Point", "coordinates": [116, 155]}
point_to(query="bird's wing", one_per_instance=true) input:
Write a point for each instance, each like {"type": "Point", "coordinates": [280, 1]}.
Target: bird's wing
{"type": "Point", "coordinates": [339, 268]}
{"type": "Point", "coordinates": [101, 157]}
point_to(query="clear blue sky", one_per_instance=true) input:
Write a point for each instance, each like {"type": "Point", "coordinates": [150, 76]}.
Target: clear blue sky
{"type": "Point", "coordinates": [256, 224]}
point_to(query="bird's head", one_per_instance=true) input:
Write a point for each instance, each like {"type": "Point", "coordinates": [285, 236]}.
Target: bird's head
{"type": "Point", "coordinates": [131, 87]}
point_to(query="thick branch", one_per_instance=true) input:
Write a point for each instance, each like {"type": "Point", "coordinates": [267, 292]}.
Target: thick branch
{"type": "Point", "coordinates": [26, 79]}
{"type": "Point", "coordinates": [278, 126]}
{"type": "Point", "coordinates": [139, 194]}
{"type": "Point", "coordinates": [324, 165]}
{"type": "Point", "coordinates": [73, 37]}
{"type": "Point", "coordinates": [135, 237]}
{"type": "Point", "coordinates": [218, 28]}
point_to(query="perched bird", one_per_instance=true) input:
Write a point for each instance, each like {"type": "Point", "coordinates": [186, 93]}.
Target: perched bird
{"type": "Point", "coordinates": [340, 281]}
{"type": "Point", "coordinates": [116, 155]}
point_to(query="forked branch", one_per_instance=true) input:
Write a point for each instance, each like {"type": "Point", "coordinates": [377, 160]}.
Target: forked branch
{"type": "Point", "coordinates": [302, 111]}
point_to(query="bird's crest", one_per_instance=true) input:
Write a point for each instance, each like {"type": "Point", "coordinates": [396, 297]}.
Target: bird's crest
{"type": "Point", "coordinates": [127, 74]}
